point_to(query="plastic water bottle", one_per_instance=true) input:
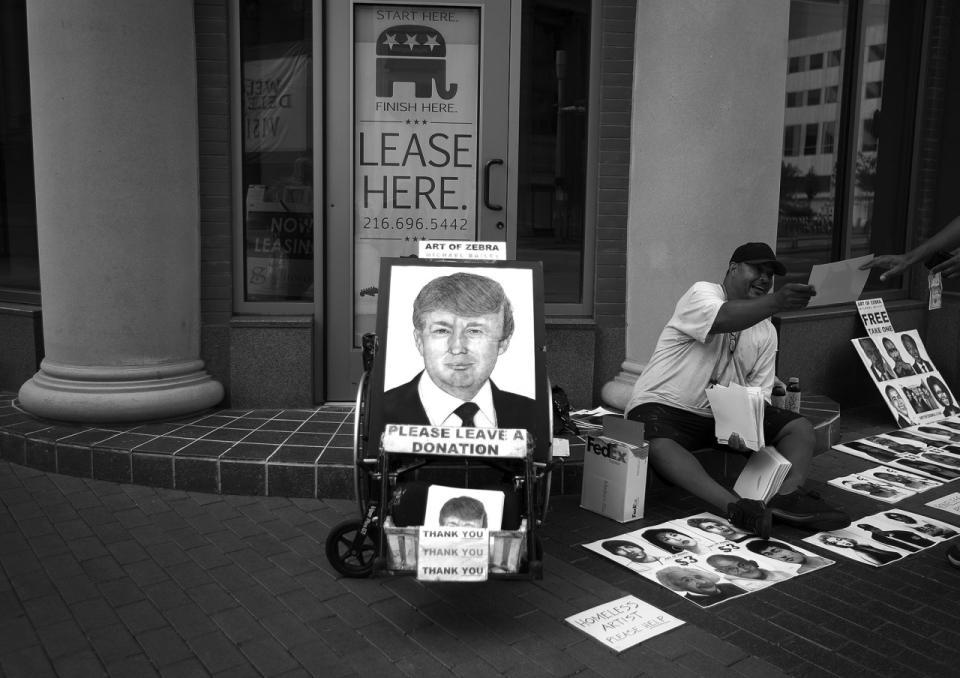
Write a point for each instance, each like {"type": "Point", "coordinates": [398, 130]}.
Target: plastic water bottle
{"type": "Point", "coordinates": [778, 398]}
{"type": "Point", "coordinates": [792, 401]}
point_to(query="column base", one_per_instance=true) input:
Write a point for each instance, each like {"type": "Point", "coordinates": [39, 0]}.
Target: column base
{"type": "Point", "coordinates": [119, 394]}
{"type": "Point", "coordinates": [616, 392]}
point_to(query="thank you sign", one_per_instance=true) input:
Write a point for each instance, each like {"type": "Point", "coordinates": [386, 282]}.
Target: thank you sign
{"type": "Point", "coordinates": [453, 553]}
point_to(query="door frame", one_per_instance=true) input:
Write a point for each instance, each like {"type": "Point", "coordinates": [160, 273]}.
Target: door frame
{"type": "Point", "coordinates": [337, 369]}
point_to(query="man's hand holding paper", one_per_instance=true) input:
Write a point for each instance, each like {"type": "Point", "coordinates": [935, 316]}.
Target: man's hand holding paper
{"type": "Point", "coordinates": [738, 415]}
{"type": "Point", "coordinates": [839, 281]}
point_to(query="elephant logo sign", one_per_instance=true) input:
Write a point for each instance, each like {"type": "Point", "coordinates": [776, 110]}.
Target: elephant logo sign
{"type": "Point", "coordinates": [416, 54]}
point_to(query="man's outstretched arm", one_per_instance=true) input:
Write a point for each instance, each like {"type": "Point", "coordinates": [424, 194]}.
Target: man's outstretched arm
{"type": "Point", "coordinates": [739, 314]}
{"type": "Point", "coordinates": [947, 238]}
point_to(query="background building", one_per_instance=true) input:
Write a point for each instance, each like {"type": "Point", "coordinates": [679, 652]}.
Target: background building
{"type": "Point", "coordinates": [195, 194]}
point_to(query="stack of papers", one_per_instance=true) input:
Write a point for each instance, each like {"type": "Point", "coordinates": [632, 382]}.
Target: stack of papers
{"type": "Point", "coordinates": [591, 419]}
{"type": "Point", "coordinates": [763, 474]}
{"type": "Point", "coordinates": [738, 409]}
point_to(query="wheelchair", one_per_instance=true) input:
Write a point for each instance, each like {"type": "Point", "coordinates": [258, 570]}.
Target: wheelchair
{"type": "Point", "coordinates": [392, 485]}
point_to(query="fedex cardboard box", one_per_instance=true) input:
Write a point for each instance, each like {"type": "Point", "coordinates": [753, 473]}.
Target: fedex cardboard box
{"type": "Point", "coordinates": [615, 470]}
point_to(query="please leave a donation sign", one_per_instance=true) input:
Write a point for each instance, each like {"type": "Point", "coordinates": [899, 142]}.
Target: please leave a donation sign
{"type": "Point", "coordinates": [455, 440]}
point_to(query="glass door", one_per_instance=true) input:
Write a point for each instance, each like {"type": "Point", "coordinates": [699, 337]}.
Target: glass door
{"type": "Point", "coordinates": [417, 129]}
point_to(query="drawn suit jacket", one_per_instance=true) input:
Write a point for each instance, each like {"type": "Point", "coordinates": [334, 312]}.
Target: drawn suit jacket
{"type": "Point", "coordinates": [401, 405]}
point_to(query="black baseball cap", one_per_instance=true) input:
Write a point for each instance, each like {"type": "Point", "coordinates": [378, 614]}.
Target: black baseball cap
{"type": "Point", "coordinates": [757, 253]}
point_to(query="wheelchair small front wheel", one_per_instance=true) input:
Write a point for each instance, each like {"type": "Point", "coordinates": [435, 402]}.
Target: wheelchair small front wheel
{"type": "Point", "coordinates": [350, 552]}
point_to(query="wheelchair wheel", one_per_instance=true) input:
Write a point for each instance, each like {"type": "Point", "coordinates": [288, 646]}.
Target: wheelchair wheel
{"type": "Point", "coordinates": [350, 552]}
{"type": "Point", "coordinates": [360, 425]}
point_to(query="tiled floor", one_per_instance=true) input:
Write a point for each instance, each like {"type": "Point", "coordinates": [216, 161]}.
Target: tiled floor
{"type": "Point", "coordinates": [105, 578]}
{"type": "Point", "coordinates": [255, 452]}
{"type": "Point", "coordinates": [298, 453]}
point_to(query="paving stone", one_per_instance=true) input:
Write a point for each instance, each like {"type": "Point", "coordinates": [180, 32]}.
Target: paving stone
{"type": "Point", "coordinates": [140, 616]}
{"type": "Point", "coordinates": [188, 668]}
{"type": "Point", "coordinates": [341, 638]}
{"type": "Point", "coordinates": [32, 586]}
{"type": "Point", "coordinates": [320, 585]}
{"type": "Point", "coordinates": [163, 646]}
{"type": "Point", "coordinates": [144, 573]}
{"type": "Point", "coordinates": [268, 656]}
{"type": "Point", "coordinates": [94, 613]}
{"type": "Point", "coordinates": [62, 566]}
{"type": "Point", "coordinates": [320, 660]}
{"type": "Point", "coordinates": [557, 662]}
{"type": "Point", "coordinates": [352, 611]}
{"type": "Point", "coordinates": [46, 610]}
{"type": "Point", "coordinates": [77, 589]}
{"type": "Point", "coordinates": [288, 629]}
{"type": "Point", "coordinates": [121, 592]}
{"type": "Point", "coordinates": [17, 632]}
{"type": "Point", "coordinates": [189, 620]}
{"type": "Point", "coordinates": [212, 598]}
{"type": "Point", "coordinates": [216, 651]}
{"type": "Point", "coordinates": [103, 569]}
{"type": "Point", "coordinates": [275, 580]}
{"type": "Point", "coordinates": [79, 665]}
{"type": "Point", "coordinates": [138, 666]}
{"type": "Point", "coordinates": [302, 603]}
{"type": "Point", "coordinates": [208, 556]}
{"type": "Point", "coordinates": [113, 643]}
{"type": "Point", "coordinates": [26, 662]}
{"type": "Point", "coordinates": [239, 625]}
{"type": "Point", "coordinates": [754, 667]}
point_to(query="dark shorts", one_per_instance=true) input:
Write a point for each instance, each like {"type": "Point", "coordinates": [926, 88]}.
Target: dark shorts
{"type": "Point", "coordinates": [695, 432]}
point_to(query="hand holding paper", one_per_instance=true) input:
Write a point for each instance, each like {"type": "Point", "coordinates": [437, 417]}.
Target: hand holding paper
{"type": "Point", "coordinates": [840, 281]}
{"type": "Point", "coordinates": [738, 414]}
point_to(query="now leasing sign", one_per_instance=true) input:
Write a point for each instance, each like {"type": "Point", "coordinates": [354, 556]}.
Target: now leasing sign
{"type": "Point", "coordinates": [455, 440]}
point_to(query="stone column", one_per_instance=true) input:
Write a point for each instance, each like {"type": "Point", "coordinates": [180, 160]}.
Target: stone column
{"type": "Point", "coordinates": [706, 141]}
{"type": "Point", "coordinates": [114, 108]}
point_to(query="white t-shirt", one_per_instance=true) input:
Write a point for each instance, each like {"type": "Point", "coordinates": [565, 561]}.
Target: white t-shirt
{"type": "Point", "coordinates": [688, 358]}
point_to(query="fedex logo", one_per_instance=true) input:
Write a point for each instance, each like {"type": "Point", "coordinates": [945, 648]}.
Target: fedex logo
{"type": "Point", "coordinates": [612, 452]}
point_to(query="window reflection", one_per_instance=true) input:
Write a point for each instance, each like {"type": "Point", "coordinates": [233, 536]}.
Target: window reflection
{"type": "Point", "coordinates": [807, 179]}
{"type": "Point", "coordinates": [553, 143]}
{"type": "Point", "coordinates": [845, 171]}
{"type": "Point", "coordinates": [19, 262]}
{"type": "Point", "coordinates": [277, 150]}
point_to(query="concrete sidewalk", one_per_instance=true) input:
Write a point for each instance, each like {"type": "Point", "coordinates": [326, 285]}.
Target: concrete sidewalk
{"type": "Point", "coordinates": [100, 578]}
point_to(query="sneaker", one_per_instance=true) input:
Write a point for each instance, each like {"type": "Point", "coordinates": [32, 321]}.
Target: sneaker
{"type": "Point", "coordinates": [953, 555]}
{"type": "Point", "coordinates": [803, 508]}
{"type": "Point", "coordinates": [750, 515]}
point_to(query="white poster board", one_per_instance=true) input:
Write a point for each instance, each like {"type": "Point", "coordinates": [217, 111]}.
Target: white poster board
{"type": "Point", "coordinates": [416, 115]}
{"type": "Point", "coordinates": [624, 622]}
{"type": "Point", "coordinates": [705, 559]}
{"type": "Point", "coordinates": [909, 383]}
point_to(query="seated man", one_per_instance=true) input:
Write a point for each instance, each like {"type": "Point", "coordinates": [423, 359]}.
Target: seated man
{"type": "Point", "coordinates": [721, 333]}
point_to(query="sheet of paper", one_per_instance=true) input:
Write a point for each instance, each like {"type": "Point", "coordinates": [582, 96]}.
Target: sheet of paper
{"type": "Point", "coordinates": [949, 503]}
{"type": "Point", "coordinates": [737, 409]}
{"type": "Point", "coordinates": [624, 622]}
{"type": "Point", "coordinates": [839, 281]}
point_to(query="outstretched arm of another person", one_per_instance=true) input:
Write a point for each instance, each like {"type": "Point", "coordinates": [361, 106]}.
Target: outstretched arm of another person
{"type": "Point", "coordinates": [947, 238]}
{"type": "Point", "coordinates": [739, 314]}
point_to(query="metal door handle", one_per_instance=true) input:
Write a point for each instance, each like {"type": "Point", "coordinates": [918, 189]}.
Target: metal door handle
{"type": "Point", "coordinates": [486, 184]}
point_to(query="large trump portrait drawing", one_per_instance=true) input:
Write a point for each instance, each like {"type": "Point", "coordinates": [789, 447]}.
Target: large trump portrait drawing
{"type": "Point", "coordinates": [460, 344]}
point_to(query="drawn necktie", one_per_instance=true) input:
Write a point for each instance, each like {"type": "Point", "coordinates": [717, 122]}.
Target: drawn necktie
{"type": "Point", "coordinates": [466, 412]}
